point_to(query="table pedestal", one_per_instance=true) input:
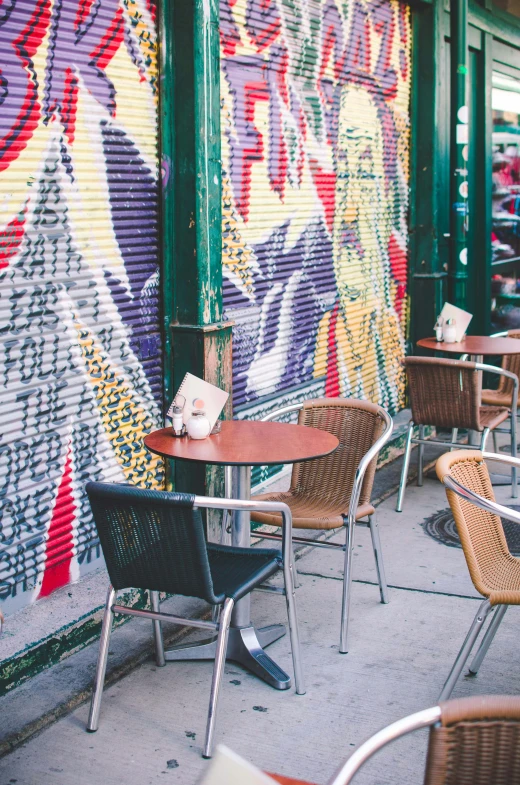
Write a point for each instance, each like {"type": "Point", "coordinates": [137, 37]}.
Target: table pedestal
{"type": "Point", "coordinates": [245, 645]}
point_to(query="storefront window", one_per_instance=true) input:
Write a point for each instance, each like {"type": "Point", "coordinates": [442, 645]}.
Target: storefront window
{"type": "Point", "coordinates": [511, 6]}
{"type": "Point", "coordinates": [505, 236]}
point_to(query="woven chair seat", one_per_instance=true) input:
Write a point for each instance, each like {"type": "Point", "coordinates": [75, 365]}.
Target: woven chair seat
{"type": "Point", "coordinates": [503, 395]}
{"type": "Point", "coordinates": [496, 398]}
{"type": "Point", "coordinates": [235, 577]}
{"type": "Point", "coordinates": [308, 512]}
{"type": "Point", "coordinates": [495, 572]}
{"type": "Point", "coordinates": [492, 416]}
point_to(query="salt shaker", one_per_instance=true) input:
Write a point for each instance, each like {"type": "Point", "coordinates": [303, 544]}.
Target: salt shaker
{"type": "Point", "coordinates": [198, 425]}
{"type": "Point", "coordinates": [449, 332]}
{"type": "Point", "coordinates": [177, 422]}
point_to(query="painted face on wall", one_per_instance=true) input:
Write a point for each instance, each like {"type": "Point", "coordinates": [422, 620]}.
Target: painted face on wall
{"type": "Point", "coordinates": [361, 225]}
{"type": "Point", "coordinates": [367, 328]}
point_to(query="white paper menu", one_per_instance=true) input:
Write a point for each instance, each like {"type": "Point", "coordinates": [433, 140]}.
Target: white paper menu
{"type": "Point", "coordinates": [462, 319]}
{"type": "Point", "coordinates": [228, 768]}
{"type": "Point", "coordinates": [195, 389]}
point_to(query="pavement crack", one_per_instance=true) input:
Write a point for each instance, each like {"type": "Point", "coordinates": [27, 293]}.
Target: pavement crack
{"type": "Point", "coordinates": [393, 586]}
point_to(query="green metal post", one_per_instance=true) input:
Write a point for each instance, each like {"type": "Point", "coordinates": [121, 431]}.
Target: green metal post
{"type": "Point", "coordinates": [167, 148]}
{"type": "Point", "coordinates": [429, 144]}
{"type": "Point", "coordinates": [200, 342]}
{"type": "Point", "coordinates": [458, 273]}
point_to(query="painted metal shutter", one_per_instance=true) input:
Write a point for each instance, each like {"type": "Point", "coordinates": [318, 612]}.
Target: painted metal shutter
{"type": "Point", "coordinates": [315, 132]}
{"type": "Point", "coordinates": [80, 348]}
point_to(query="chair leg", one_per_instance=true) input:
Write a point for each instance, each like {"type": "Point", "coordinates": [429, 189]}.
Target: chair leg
{"type": "Point", "coordinates": [157, 631]}
{"type": "Point", "coordinates": [487, 640]}
{"type": "Point", "coordinates": [495, 445]}
{"type": "Point", "coordinates": [218, 670]}
{"type": "Point", "coordinates": [454, 437]}
{"type": "Point", "coordinates": [378, 553]}
{"type": "Point", "coordinates": [296, 582]}
{"type": "Point", "coordinates": [483, 439]}
{"type": "Point", "coordinates": [99, 680]}
{"type": "Point", "coordinates": [404, 471]}
{"type": "Point", "coordinates": [294, 630]}
{"type": "Point", "coordinates": [347, 581]}
{"type": "Point", "coordinates": [420, 451]}
{"type": "Point", "coordinates": [514, 448]}
{"type": "Point", "coordinates": [465, 650]}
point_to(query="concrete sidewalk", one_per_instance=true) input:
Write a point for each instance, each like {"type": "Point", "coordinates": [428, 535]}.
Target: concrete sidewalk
{"type": "Point", "coordinates": [153, 720]}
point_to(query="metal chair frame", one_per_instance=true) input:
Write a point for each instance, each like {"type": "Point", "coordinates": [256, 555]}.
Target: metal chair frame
{"type": "Point", "coordinates": [485, 607]}
{"type": "Point", "coordinates": [421, 719]}
{"type": "Point", "coordinates": [349, 522]}
{"type": "Point", "coordinates": [453, 444]}
{"type": "Point", "coordinates": [503, 334]}
{"type": "Point", "coordinates": [220, 622]}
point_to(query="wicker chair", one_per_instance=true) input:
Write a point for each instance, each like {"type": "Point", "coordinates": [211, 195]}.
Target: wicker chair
{"type": "Point", "coordinates": [503, 395]}
{"type": "Point", "coordinates": [334, 492]}
{"type": "Point", "coordinates": [473, 741]}
{"type": "Point", "coordinates": [495, 572]}
{"type": "Point", "coordinates": [448, 394]}
{"type": "Point", "coordinates": [155, 541]}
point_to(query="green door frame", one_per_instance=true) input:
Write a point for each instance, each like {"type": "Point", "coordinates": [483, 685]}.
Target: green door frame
{"type": "Point", "coordinates": [430, 252]}
{"type": "Point", "coordinates": [195, 337]}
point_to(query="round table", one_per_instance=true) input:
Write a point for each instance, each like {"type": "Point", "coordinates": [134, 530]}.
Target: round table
{"type": "Point", "coordinates": [244, 443]}
{"type": "Point", "coordinates": [477, 346]}
{"type": "Point", "coordinates": [474, 345]}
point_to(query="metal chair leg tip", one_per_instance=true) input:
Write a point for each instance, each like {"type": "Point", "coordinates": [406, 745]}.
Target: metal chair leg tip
{"type": "Point", "coordinates": [91, 730]}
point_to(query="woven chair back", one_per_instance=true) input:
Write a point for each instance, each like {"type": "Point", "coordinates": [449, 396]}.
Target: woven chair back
{"type": "Point", "coordinates": [510, 362]}
{"type": "Point", "coordinates": [445, 393]}
{"type": "Point", "coordinates": [477, 742]}
{"type": "Point", "coordinates": [356, 425]}
{"type": "Point", "coordinates": [151, 540]}
{"type": "Point", "coordinates": [481, 532]}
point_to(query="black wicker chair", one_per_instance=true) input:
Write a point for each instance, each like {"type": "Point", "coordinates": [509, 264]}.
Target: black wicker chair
{"type": "Point", "coordinates": [155, 540]}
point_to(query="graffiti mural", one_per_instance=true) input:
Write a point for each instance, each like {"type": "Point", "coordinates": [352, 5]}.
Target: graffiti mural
{"type": "Point", "coordinates": [80, 352]}
{"type": "Point", "coordinates": [315, 133]}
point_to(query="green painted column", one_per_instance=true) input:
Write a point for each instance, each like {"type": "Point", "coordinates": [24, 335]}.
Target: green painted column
{"type": "Point", "coordinates": [197, 340]}
{"type": "Point", "coordinates": [458, 273]}
{"type": "Point", "coordinates": [430, 143]}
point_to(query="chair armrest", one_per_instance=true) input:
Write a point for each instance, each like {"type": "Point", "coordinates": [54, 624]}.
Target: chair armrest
{"type": "Point", "coordinates": [210, 502]}
{"type": "Point", "coordinates": [295, 407]}
{"type": "Point", "coordinates": [480, 501]}
{"type": "Point", "coordinates": [365, 462]}
{"type": "Point", "coordinates": [421, 719]}
{"type": "Point", "coordinates": [503, 334]}
{"type": "Point", "coordinates": [502, 372]}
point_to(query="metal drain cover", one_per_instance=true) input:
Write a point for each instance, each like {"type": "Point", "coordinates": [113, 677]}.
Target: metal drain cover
{"type": "Point", "coordinates": [442, 528]}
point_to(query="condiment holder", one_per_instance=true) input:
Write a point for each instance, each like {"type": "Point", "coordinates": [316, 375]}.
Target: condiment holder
{"type": "Point", "coordinates": [198, 426]}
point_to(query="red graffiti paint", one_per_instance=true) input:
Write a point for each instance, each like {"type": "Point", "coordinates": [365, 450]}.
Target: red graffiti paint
{"type": "Point", "coordinates": [10, 239]}
{"type": "Point", "coordinates": [59, 546]}
{"type": "Point", "coordinates": [325, 183]}
{"type": "Point", "coordinates": [332, 389]}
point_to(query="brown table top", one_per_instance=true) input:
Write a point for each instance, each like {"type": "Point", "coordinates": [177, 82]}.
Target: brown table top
{"type": "Point", "coordinates": [474, 344]}
{"type": "Point", "coordinates": [246, 443]}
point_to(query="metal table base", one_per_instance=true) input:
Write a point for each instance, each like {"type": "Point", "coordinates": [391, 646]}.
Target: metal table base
{"type": "Point", "coordinates": [245, 647]}
{"type": "Point", "coordinates": [246, 643]}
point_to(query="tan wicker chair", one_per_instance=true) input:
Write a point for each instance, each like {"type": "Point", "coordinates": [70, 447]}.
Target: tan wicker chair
{"type": "Point", "coordinates": [473, 741]}
{"type": "Point", "coordinates": [334, 492]}
{"type": "Point", "coordinates": [503, 395]}
{"type": "Point", "coordinates": [495, 572]}
{"type": "Point", "coordinates": [448, 394]}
